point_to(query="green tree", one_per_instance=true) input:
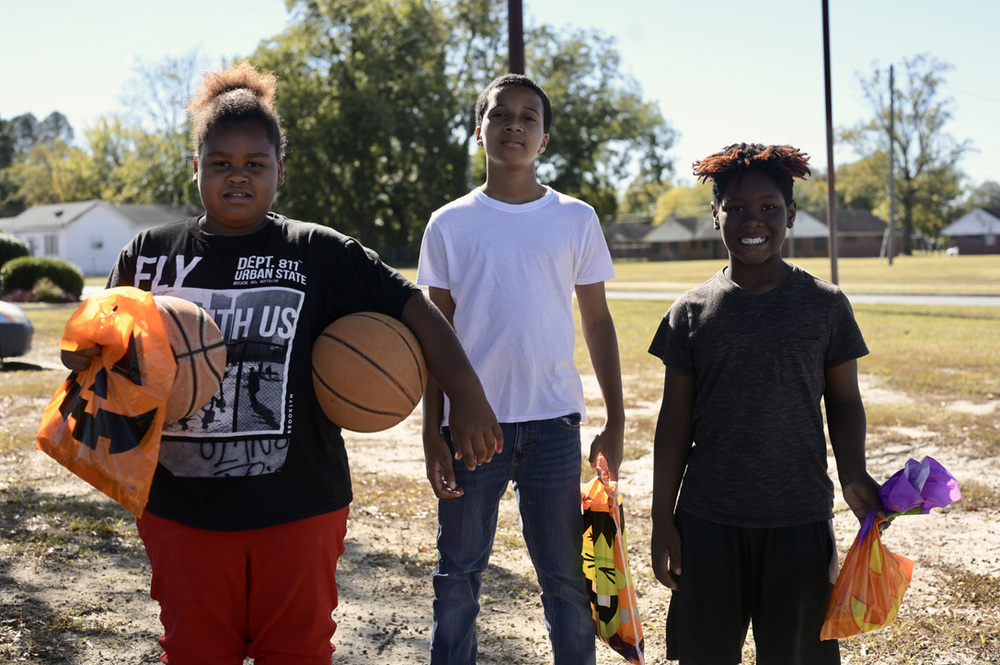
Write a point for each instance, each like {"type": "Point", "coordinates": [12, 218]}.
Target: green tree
{"type": "Point", "coordinates": [19, 136]}
{"type": "Point", "coordinates": [157, 95]}
{"type": "Point", "coordinates": [603, 131]}
{"type": "Point", "coordinates": [52, 173]}
{"type": "Point", "coordinates": [688, 201]}
{"type": "Point", "coordinates": [986, 195]}
{"type": "Point", "coordinates": [378, 102]}
{"type": "Point", "coordinates": [641, 196]}
{"type": "Point", "coordinates": [926, 157]}
{"type": "Point", "coordinates": [368, 110]}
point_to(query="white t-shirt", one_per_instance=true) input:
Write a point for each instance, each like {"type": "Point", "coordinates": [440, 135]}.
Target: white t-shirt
{"type": "Point", "coordinates": [511, 270]}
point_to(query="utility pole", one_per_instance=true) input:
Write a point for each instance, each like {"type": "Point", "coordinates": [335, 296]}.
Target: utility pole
{"type": "Point", "coordinates": [515, 37]}
{"type": "Point", "coordinates": [892, 166]}
{"type": "Point", "coordinates": [831, 199]}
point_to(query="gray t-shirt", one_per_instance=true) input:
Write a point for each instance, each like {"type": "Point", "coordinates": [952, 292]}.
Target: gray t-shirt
{"type": "Point", "coordinates": [759, 454]}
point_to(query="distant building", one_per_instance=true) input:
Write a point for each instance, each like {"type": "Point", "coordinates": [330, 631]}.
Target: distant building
{"type": "Point", "coordinates": [859, 233]}
{"type": "Point", "coordinates": [88, 233]}
{"type": "Point", "coordinates": [626, 236]}
{"type": "Point", "coordinates": [975, 232]}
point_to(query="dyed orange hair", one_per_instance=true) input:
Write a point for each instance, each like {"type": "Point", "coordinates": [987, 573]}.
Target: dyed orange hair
{"type": "Point", "coordinates": [781, 162]}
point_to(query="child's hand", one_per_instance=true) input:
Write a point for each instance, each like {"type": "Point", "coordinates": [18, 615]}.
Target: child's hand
{"type": "Point", "coordinates": [475, 431]}
{"type": "Point", "coordinates": [440, 473]}
{"type": "Point", "coordinates": [79, 361]}
{"type": "Point", "coordinates": [610, 442]}
{"type": "Point", "coordinates": [861, 494]}
{"type": "Point", "coordinates": [666, 553]}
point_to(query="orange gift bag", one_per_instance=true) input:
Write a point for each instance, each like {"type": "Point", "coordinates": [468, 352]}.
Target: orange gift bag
{"type": "Point", "coordinates": [869, 588]}
{"type": "Point", "coordinates": [605, 563]}
{"type": "Point", "coordinates": [104, 424]}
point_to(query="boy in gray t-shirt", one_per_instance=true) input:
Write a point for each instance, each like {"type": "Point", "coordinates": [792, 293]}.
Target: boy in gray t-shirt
{"type": "Point", "coordinates": [749, 355]}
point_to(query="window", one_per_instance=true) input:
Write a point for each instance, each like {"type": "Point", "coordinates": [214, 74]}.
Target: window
{"type": "Point", "coordinates": [51, 245]}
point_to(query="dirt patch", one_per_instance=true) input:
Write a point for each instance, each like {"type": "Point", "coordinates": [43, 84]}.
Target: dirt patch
{"type": "Point", "coordinates": [74, 579]}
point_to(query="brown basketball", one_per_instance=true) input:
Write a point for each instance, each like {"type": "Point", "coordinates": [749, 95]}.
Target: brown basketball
{"type": "Point", "coordinates": [199, 351]}
{"type": "Point", "coordinates": [368, 371]}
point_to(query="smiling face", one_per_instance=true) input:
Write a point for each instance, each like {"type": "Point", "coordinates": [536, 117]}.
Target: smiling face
{"type": "Point", "coordinates": [512, 129]}
{"type": "Point", "coordinates": [238, 173]}
{"type": "Point", "coordinates": [753, 217]}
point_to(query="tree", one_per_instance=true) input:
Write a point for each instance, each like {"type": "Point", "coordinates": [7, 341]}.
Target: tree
{"type": "Point", "coordinates": [926, 157]}
{"type": "Point", "coordinates": [378, 98]}
{"type": "Point", "coordinates": [368, 111]}
{"type": "Point", "coordinates": [157, 95]}
{"type": "Point", "coordinates": [986, 195]}
{"type": "Point", "coordinates": [52, 173]}
{"type": "Point", "coordinates": [603, 131]}
{"type": "Point", "coordinates": [693, 201]}
{"type": "Point", "coordinates": [19, 137]}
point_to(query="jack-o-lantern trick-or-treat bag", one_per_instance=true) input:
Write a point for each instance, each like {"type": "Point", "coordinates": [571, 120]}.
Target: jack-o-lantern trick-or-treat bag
{"type": "Point", "coordinates": [104, 424]}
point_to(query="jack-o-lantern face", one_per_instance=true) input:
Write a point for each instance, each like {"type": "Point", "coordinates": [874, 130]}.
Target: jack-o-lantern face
{"type": "Point", "coordinates": [104, 423]}
{"type": "Point", "coordinates": [122, 432]}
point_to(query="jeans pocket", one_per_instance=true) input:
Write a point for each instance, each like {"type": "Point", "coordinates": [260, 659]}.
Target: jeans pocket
{"type": "Point", "coordinates": [570, 422]}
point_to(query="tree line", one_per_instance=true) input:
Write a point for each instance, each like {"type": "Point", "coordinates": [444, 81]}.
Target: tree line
{"type": "Point", "coordinates": [377, 100]}
{"type": "Point", "coordinates": [931, 191]}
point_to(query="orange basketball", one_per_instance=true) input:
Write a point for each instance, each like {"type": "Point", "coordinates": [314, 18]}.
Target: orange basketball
{"type": "Point", "coordinates": [199, 351]}
{"type": "Point", "coordinates": [368, 371]}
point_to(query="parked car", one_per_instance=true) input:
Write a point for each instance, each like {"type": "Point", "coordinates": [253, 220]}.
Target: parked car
{"type": "Point", "coordinates": [15, 331]}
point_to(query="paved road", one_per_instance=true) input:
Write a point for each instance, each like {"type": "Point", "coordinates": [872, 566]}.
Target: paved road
{"type": "Point", "coordinates": [867, 298]}
{"type": "Point", "coordinates": [984, 300]}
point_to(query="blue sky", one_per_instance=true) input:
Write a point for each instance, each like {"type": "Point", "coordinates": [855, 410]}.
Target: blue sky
{"type": "Point", "coordinates": [722, 70]}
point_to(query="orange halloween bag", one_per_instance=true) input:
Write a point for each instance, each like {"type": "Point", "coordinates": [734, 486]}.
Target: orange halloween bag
{"type": "Point", "coordinates": [104, 424]}
{"type": "Point", "coordinates": [605, 563]}
{"type": "Point", "coordinates": [869, 588]}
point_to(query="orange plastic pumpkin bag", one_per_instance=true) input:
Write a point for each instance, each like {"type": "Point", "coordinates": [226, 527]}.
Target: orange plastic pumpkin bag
{"type": "Point", "coordinates": [104, 424]}
{"type": "Point", "coordinates": [869, 588]}
{"type": "Point", "coordinates": [605, 563]}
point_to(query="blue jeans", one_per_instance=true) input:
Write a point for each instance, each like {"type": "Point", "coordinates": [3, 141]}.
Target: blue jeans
{"type": "Point", "coordinates": [542, 459]}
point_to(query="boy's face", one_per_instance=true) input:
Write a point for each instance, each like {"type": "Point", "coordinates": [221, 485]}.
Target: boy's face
{"type": "Point", "coordinates": [512, 128]}
{"type": "Point", "coordinates": [238, 173]}
{"type": "Point", "coordinates": [753, 217]}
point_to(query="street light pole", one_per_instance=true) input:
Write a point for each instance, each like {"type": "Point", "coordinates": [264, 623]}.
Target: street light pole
{"type": "Point", "coordinates": [831, 198]}
{"type": "Point", "coordinates": [515, 37]}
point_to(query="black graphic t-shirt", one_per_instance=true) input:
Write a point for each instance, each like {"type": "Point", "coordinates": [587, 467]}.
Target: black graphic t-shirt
{"type": "Point", "coordinates": [261, 452]}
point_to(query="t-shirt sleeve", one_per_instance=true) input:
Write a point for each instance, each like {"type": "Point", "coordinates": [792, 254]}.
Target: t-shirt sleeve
{"type": "Point", "coordinates": [846, 341]}
{"type": "Point", "coordinates": [123, 272]}
{"type": "Point", "coordinates": [595, 257]}
{"type": "Point", "coordinates": [375, 285]}
{"type": "Point", "coordinates": [671, 342]}
{"type": "Point", "coordinates": [432, 266]}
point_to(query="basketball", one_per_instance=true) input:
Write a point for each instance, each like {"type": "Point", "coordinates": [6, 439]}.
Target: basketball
{"type": "Point", "coordinates": [368, 371]}
{"type": "Point", "coordinates": [199, 351]}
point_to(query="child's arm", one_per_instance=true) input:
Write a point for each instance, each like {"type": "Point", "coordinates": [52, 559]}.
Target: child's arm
{"type": "Point", "coordinates": [845, 417]}
{"type": "Point", "coordinates": [474, 428]}
{"type": "Point", "coordinates": [672, 444]}
{"type": "Point", "coordinates": [602, 342]}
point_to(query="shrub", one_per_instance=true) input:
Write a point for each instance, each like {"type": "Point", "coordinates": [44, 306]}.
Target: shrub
{"type": "Point", "coordinates": [12, 247]}
{"type": "Point", "coordinates": [26, 271]}
{"type": "Point", "coordinates": [46, 290]}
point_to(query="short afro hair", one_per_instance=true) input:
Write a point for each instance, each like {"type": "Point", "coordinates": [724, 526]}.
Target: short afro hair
{"type": "Point", "coordinates": [781, 162]}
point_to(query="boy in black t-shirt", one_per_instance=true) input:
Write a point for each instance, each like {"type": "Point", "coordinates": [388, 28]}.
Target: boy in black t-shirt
{"type": "Point", "coordinates": [749, 356]}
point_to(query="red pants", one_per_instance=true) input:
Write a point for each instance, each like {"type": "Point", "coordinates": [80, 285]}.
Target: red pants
{"type": "Point", "coordinates": [265, 594]}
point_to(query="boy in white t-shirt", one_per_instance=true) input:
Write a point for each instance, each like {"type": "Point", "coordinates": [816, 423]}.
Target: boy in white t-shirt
{"type": "Point", "coordinates": [503, 263]}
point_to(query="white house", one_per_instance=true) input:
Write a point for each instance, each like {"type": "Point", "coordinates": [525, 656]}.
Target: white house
{"type": "Point", "coordinates": [976, 232]}
{"type": "Point", "coordinates": [87, 233]}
